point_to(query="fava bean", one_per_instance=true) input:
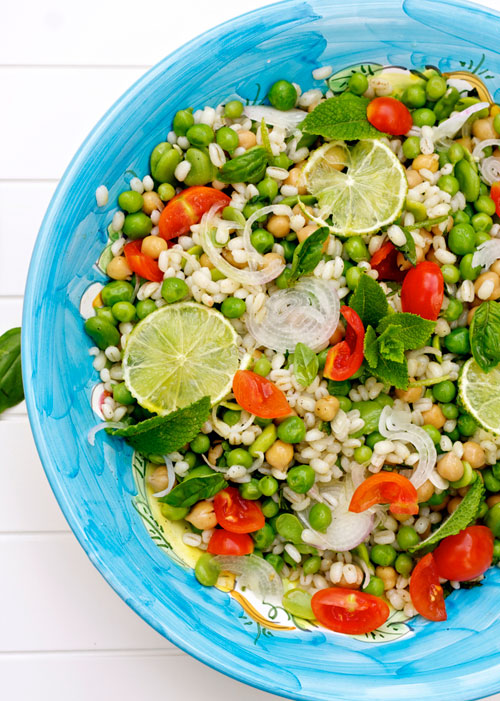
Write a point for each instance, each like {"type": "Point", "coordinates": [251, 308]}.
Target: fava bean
{"type": "Point", "coordinates": [163, 162]}
{"type": "Point", "coordinates": [102, 332]}
{"type": "Point", "coordinates": [264, 441]}
{"type": "Point", "coordinates": [202, 169]}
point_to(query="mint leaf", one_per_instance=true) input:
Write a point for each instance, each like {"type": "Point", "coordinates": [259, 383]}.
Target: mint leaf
{"type": "Point", "coordinates": [391, 347]}
{"type": "Point", "coordinates": [305, 364]}
{"type": "Point", "coordinates": [164, 434]}
{"type": "Point", "coordinates": [371, 347]}
{"type": "Point", "coordinates": [413, 331]}
{"type": "Point", "coordinates": [392, 373]}
{"type": "Point", "coordinates": [308, 254]}
{"type": "Point", "coordinates": [250, 167]}
{"type": "Point", "coordinates": [195, 489]}
{"type": "Point", "coordinates": [369, 301]}
{"type": "Point", "coordinates": [463, 515]}
{"type": "Point", "coordinates": [485, 335]}
{"type": "Point", "coordinates": [342, 118]}
{"type": "Point", "coordinates": [11, 379]}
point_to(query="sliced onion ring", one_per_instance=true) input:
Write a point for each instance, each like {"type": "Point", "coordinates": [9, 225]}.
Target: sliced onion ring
{"type": "Point", "coordinates": [307, 312]}
{"type": "Point", "coordinates": [395, 425]}
{"type": "Point", "coordinates": [101, 426]}
{"type": "Point", "coordinates": [486, 254]}
{"type": "Point", "coordinates": [256, 574]}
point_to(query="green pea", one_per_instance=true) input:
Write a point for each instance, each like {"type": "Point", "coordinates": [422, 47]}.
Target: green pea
{"type": "Point", "coordinates": [320, 516]}
{"type": "Point", "coordinates": [276, 561]}
{"type": "Point", "coordinates": [239, 456]}
{"type": "Point", "coordinates": [144, 308]}
{"type": "Point", "coordinates": [468, 179]}
{"type": "Point", "coordinates": [435, 88]}
{"type": "Point", "coordinates": [250, 490]}
{"type": "Point", "coordinates": [423, 117]}
{"type": "Point", "coordinates": [130, 201]}
{"type": "Point", "coordinates": [492, 520]}
{"type": "Point", "coordinates": [339, 388]}
{"type": "Point", "coordinates": [450, 273]}
{"type": "Point", "coordinates": [250, 209]}
{"type": "Point", "coordinates": [292, 430]}
{"type": "Point", "coordinates": [457, 341]}
{"type": "Point", "coordinates": [453, 435]}
{"type": "Point", "coordinates": [383, 555]}
{"type": "Point", "coordinates": [202, 170]}
{"type": "Point", "coordinates": [173, 289]}
{"type": "Point", "coordinates": [363, 454]}
{"type": "Point", "coordinates": [190, 458]}
{"type": "Point", "coordinates": [485, 205]}
{"type": "Point", "coordinates": [491, 483]}
{"type": "Point", "coordinates": [403, 564]}
{"type": "Point", "coordinates": [123, 311]}
{"type": "Point", "coordinates": [450, 411]}
{"type": "Point", "coordinates": [206, 570]}
{"type": "Point", "coordinates": [163, 162]}
{"type": "Point", "coordinates": [352, 277]}
{"type": "Point", "coordinates": [102, 332]}
{"type": "Point", "coordinates": [231, 417]}
{"type": "Point", "coordinates": [461, 217]}
{"type": "Point", "coordinates": [268, 485]}
{"type": "Point", "coordinates": [289, 527]}
{"type": "Point", "coordinates": [414, 96]}
{"type": "Point", "coordinates": [358, 83]}
{"type": "Point", "coordinates": [298, 603]}
{"type": "Point", "coordinates": [468, 477]}
{"type": "Point", "coordinates": [282, 161]}
{"type": "Point", "coordinates": [312, 565]}
{"type": "Point", "coordinates": [268, 188]}
{"type": "Point", "coordinates": [166, 191]}
{"type": "Point", "coordinates": [227, 139]}
{"type": "Point", "coordinates": [137, 225]}
{"type": "Point", "coordinates": [262, 366]}
{"type": "Point", "coordinates": [117, 291]}
{"type": "Point", "coordinates": [200, 135]}
{"type": "Point", "coordinates": [407, 537]}
{"type": "Point", "coordinates": [282, 95]}
{"type": "Point", "coordinates": [200, 444]}
{"type": "Point", "coordinates": [373, 438]}
{"type": "Point", "coordinates": [456, 152]}
{"type": "Point", "coordinates": [411, 147]}
{"type": "Point", "coordinates": [300, 478]}
{"type": "Point", "coordinates": [449, 184]}
{"type": "Point", "coordinates": [461, 239]}
{"type": "Point", "coordinates": [283, 279]}
{"type": "Point", "coordinates": [444, 391]}
{"type": "Point", "coordinates": [263, 537]}
{"type": "Point", "coordinates": [482, 236]}
{"type": "Point", "coordinates": [106, 314]}
{"type": "Point", "coordinates": [467, 272]}
{"type": "Point", "coordinates": [263, 442]}
{"type": "Point", "coordinates": [437, 499]}
{"type": "Point", "coordinates": [233, 109]}
{"type": "Point", "coordinates": [183, 120]}
{"type": "Point", "coordinates": [466, 425]}
{"type": "Point", "coordinates": [233, 308]}
{"type": "Point", "coordinates": [356, 249]}
{"type": "Point", "coordinates": [122, 395]}
{"type": "Point", "coordinates": [375, 586]}
{"type": "Point", "coordinates": [174, 513]}
{"type": "Point", "coordinates": [345, 404]}
{"type": "Point", "coordinates": [481, 222]}
{"type": "Point", "coordinates": [269, 508]}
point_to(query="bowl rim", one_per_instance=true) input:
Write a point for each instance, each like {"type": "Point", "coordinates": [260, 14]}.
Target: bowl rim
{"type": "Point", "coordinates": [36, 263]}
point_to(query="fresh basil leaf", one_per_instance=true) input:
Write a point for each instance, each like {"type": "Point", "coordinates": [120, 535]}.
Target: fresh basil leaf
{"type": "Point", "coordinates": [305, 364]}
{"type": "Point", "coordinates": [369, 301]}
{"type": "Point", "coordinates": [190, 491]}
{"type": "Point", "coordinates": [485, 335]}
{"type": "Point", "coordinates": [11, 379]}
{"type": "Point", "coordinates": [250, 167]}
{"type": "Point", "coordinates": [413, 330]}
{"type": "Point", "coordinates": [308, 254]}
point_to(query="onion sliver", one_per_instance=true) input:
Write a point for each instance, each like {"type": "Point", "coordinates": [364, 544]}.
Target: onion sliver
{"type": "Point", "coordinates": [395, 425]}
{"type": "Point", "coordinates": [486, 254]}
{"type": "Point", "coordinates": [171, 478]}
{"type": "Point", "coordinates": [289, 119]}
{"type": "Point", "coordinates": [307, 312]}
{"type": "Point", "coordinates": [256, 574]}
{"type": "Point", "coordinates": [101, 426]}
{"type": "Point", "coordinates": [254, 257]}
{"type": "Point", "coordinates": [452, 125]}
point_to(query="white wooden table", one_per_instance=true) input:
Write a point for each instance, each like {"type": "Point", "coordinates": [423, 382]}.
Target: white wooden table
{"type": "Point", "coordinates": [64, 633]}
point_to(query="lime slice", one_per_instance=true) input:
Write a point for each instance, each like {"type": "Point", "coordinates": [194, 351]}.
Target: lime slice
{"type": "Point", "coordinates": [479, 392]}
{"type": "Point", "coordinates": [179, 354]}
{"type": "Point", "coordinates": [369, 194]}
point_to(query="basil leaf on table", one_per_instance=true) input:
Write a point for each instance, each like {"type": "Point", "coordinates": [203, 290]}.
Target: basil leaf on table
{"type": "Point", "coordinates": [308, 254]}
{"type": "Point", "coordinates": [305, 364]}
{"type": "Point", "coordinates": [11, 379]}
{"type": "Point", "coordinates": [193, 490]}
{"type": "Point", "coordinates": [485, 335]}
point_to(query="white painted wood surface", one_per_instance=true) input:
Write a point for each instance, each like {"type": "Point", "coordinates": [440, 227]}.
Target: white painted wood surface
{"type": "Point", "coordinates": [64, 634]}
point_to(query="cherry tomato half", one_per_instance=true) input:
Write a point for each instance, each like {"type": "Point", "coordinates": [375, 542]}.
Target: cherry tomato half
{"type": "Point", "coordinates": [236, 514]}
{"type": "Point", "coordinates": [140, 263]}
{"type": "Point", "coordinates": [225, 543]}
{"type": "Point", "coordinates": [422, 291]}
{"type": "Point", "coordinates": [386, 488]}
{"type": "Point", "coordinates": [349, 611]}
{"type": "Point", "coordinates": [187, 208]}
{"type": "Point", "coordinates": [425, 591]}
{"type": "Point", "coordinates": [346, 357]}
{"type": "Point", "coordinates": [259, 396]}
{"type": "Point", "coordinates": [384, 261]}
{"type": "Point", "coordinates": [389, 115]}
{"type": "Point", "coordinates": [495, 196]}
{"type": "Point", "coordinates": [465, 555]}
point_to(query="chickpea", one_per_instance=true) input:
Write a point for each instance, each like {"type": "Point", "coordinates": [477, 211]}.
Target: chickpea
{"type": "Point", "coordinates": [414, 178]}
{"type": "Point", "coordinates": [474, 455]}
{"type": "Point", "coordinates": [152, 246]}
{"type": "Point", "coordinates": [205, 262]}
{"type": "Point", "coordinates": [352, 585]}
{"type": "Point", "coordinates": [336, 158]}
{"type": "Point", "coordinates": [410, 395]}
{"type": "Point", "coordinates": [496, 153]}
{"type": "Point", "coordinates": [214, 453]}
{"type": "Point", "coordinates": [495, 268]}
{"type": "Point", "coordinates": [337, 335]}
{"type": "Point", "coordinates": [280, 455]}
{"type": "Point", "coordinates": [269, 258]}
{"type": "Point", "coordinates": [298, 209]}
{"type": "Point", "coordinates": [226, 253]}
{"type": "Point", "coordinates": [450, 467]}
{"type": "Point", "coordinates": [466, 142]}
{"type": "Point", "coordinates": [463, 491]}
{"type": "Point", "coordinates": [202, 515]}
{"type": "Point", "coordinates": [118, 268]}
{"type": "Point", "coordinates": [279, 420]}
{"type": "Point", "coordinates": [326, 408]}
{"type": "Point", "coordinates": [296, 179]}
{"type": "Point", "coordinates": [425, 491]}
{"type": "Point", "coordinates": [442, 506]}
{"type": "Point", "coordinates": [388, 575]}
{"type": "Point", "coordinates": [495, 279]}
{"type": "Point", "coordinates": [483, 129]}
{"type": "Point", "coordinates": [453, 504]}
{"type": "Point", "coordinates": [434, 416]}
{"type": "Point", "coordinates": [158, 479]}
{"type": "Point", "coordinates": [494, 499]}
{"type": "Point", "coordinates": [152, 201]}
{"type": "Point", "coordinates": [247, 139]}
{"type": "Point", "coordinates": [429, 161]}
{"type": "Point", "coordinates": [278, 225]}
{"type": "Point", "coordinates": [470, 315]}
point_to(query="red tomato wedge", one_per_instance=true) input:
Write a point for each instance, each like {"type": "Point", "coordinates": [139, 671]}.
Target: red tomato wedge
{"type": "Point", "coordinates": [225, 543]}
{"type": "Point", "coordinates": [236, 514]}
{"type": "Point", "coordinates": [384, 261]}
{"type": "Point", "coordinates": [259, 396]}
{"type": "Point", "coordinates": [349, 611]}
{"type": "Point", "coordinates": [187, 208]}
{"type": "Point", "coordinates": [423, 290]}
{"type": "Point", "coordinates": [389, 115]}
{"type": "Point", "coordinates": [495, 196]}
{"type": "Point", "coordinates": [465, 555]}
{"type": "Point", "coordinates": [386, 488]}
{"type": "Point", "coordinates": [346, 357]}
{"type": "Point", "coordinates": [426, 592]}
{"type": "Point", "coordinates": [141, 264]}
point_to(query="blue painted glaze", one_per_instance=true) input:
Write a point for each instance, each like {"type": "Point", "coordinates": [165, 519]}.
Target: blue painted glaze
{"type": "Point", "coordinates": [454, 660]}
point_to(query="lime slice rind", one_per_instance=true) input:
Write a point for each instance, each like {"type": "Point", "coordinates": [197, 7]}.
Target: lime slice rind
{"type": "Point", "coordinates": [480, 394]}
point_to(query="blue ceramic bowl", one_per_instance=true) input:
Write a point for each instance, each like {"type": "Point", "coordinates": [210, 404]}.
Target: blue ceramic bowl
{"type": "Point", "coordinates": [454, 660]}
